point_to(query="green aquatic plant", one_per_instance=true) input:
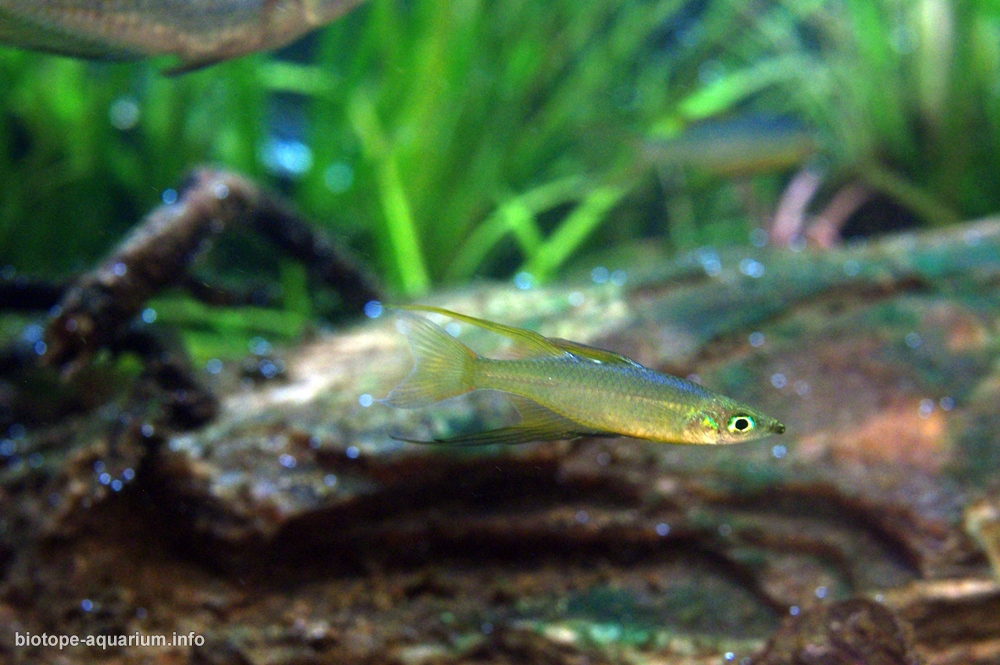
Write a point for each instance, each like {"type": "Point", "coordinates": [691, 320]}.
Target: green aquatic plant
{"type": "Point", "coordinates": [446, 140]}
{"type": "Point", "coordinates": [906, 94]}
{"type": "Point", "coordinates": [426, 123]}
{"type": "Point", "coordinates": [471, 128]}
{"type": "Point", "coordinates": [86, 149]}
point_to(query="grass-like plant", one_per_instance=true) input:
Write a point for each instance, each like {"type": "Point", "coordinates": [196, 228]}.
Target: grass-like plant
{"type": "Point", "coordinates": [440, 136]}
{"type": "Point", "coordinates": [907, 95]}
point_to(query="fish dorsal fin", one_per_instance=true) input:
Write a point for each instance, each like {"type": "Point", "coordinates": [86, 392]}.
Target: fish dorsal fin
{"type": "Point", "coordinates": [593, 353]}
{"type": "Point", "coordinates": [537, 424]}
{"type": "Point", "coordinates": [529, 344]}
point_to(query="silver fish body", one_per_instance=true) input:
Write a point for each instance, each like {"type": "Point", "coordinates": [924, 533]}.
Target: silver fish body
{"type": "Point", "coordinates": [563, 390]}
{"type": "Point", "coordinates": [199, 32]}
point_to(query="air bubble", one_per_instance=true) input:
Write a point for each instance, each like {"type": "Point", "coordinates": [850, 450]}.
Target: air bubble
{"type": "Point", "coordinates": [599, 275]}
{"type": "Point", "coordinates": [752, 268]}
{"type": "Point", "coordinates": [287, 157]}
{"type": "Point", "coordinates": [124, 113]}
{"type": "Point", "coordinates": [926, 407]}
{"type": "Point", "coordinates": [260, 346]}
{"type": "Point", "coordinates": [524, 280]}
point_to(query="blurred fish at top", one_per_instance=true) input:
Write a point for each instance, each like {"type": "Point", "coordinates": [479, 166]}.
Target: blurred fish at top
{"type": "Point", "coordinates": [198, 32]}
{"type": "Point", "coordinates": [739, 146]}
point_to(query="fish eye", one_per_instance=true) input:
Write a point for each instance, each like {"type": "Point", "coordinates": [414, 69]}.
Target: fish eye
{"type": "Point", "coordinates": [740, 424]}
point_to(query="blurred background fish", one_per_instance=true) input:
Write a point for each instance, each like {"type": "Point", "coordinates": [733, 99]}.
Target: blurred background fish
{"type": "Point", "coordinates": [198, 32]}
{"type": "Point", "coordinates": [734, 147]}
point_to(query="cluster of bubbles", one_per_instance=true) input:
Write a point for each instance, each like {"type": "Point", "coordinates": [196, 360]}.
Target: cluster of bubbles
{"type": "Point", "coordinates": [601, 275]}
{"type": "Point", "coordinates": [283, 156]}
{"type": "Point", "coordinates": [12, 444]}
{"type": "Point", "coordinates": [927, 405]}
{"type": "Point", "coordinates": [105, 478]}
{"type": "Point", "coordinates": [268, 367]}
{"type": "Point", "coordinates": [32, 335]}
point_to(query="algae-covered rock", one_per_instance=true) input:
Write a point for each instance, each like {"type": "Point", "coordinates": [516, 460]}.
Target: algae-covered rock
{"type": "Point", "coordinates": [294, 528]}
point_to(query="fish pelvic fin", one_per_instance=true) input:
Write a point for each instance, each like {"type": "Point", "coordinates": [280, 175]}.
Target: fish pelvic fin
{"type": "Point", "coordinates": [443, 366]}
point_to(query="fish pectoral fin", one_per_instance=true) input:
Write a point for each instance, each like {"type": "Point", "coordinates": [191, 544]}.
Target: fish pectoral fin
{"type": "Point", "coordinates": [529, 344]}
{"type": "Point", "coordinates": [593, 353]}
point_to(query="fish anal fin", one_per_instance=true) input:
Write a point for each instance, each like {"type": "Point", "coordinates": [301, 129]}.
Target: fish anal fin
{"type": "Point", "coordinates": [537, 424]}
{"type": "Point", "coordinates": [529, 344]}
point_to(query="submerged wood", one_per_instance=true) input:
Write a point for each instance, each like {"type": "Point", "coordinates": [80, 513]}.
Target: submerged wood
{"type": "Point", "coordinates": [293, 528]}
{"type": "Point", "coordinates": [97, 308]}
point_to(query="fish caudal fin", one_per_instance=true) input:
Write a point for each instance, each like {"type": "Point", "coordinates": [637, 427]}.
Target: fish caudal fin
{"type": "Point", "coordinates": [443, 366]}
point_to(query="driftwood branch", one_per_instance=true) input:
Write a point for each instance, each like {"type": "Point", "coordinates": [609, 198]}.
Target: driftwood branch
{"type": "Point", "coordinates": [97, 308]}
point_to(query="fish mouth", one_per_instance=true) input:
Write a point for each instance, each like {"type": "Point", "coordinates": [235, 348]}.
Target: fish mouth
{"type": "Point", "coordinates": [778, 428]}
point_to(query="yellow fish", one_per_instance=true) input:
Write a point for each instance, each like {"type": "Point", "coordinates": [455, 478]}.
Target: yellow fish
{"type": "Point", "coordinates": [199, 32]}
{"type": "Point", "coordinates": [565, 390]}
